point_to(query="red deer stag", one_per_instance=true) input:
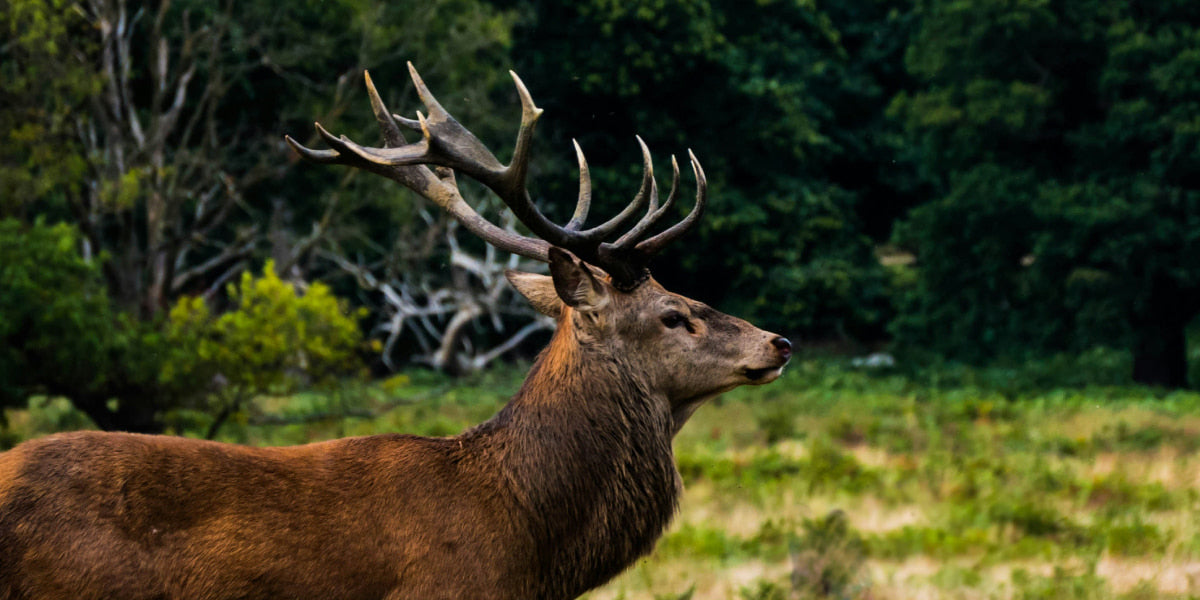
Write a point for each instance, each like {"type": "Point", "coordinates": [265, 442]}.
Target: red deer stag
{"type": "Point", "coordinates": [562, 489]}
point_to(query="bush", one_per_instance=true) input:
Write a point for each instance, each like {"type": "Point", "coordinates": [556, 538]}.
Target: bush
{"type": "Point", "coordinates": [829, 559]}
{"type": "Point", "coordinates": [59, 334]}
{"type": "Point", "coordinates": [272, 340]}
{"type": "Point", "coordinates": [53, 311]}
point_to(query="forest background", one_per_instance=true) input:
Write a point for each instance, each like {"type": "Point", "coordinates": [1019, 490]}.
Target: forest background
{"type": "Point", "coordinates": [988, 182]}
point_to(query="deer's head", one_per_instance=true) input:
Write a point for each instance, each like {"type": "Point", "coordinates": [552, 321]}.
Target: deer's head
{"type": "Point", "coordinates": [683, 348]}
{"type": "Point", "coordinates": [599, 288]}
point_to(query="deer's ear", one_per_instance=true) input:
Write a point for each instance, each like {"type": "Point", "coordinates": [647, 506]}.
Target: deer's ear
{"type": "Point", "coordinates": [538, 290]}
{"type": "Point", "coordinates": [574, 282]}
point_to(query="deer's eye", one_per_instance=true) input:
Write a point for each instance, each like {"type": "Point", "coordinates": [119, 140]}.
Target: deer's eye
{"type": "Point", "coordinates": [675, 319]}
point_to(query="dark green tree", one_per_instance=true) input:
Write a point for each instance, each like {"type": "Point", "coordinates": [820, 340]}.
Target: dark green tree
{"type": "Point", "coordinates": [59, 334]}
{"type": "Point", "coordinates": [1061, 139]}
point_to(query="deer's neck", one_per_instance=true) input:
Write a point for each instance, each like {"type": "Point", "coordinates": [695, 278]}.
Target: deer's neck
{"type": "Point", "coordinates": [587, 448]}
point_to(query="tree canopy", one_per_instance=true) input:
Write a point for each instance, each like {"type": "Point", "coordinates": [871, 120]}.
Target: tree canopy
{"type": "Point", "coordinates": [1062, 141]}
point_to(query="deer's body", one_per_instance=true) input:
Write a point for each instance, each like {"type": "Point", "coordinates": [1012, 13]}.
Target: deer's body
{"type": "Point", "coordinates": [110, 515]}
{"type": "Point", "coordinates": [107, 515]}
{"type": "Point", "coordinates": [566, 486]}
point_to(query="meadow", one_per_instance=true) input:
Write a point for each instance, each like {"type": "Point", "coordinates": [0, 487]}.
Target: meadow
{"type": "Point", "coordinates": [841, 482]}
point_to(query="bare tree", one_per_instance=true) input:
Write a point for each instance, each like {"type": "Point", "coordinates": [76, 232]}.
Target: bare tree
{"type": "Point", "coordinates": [157, 192]}
{"type": "Point", "coordinates": [462, 317]}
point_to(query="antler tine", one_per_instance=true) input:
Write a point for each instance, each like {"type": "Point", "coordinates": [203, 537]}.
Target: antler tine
{"type": "Point", "coordinates": [324, 157]}
{"type": "Point", "coordinates": [654, 214]}
{"type": "Point", "coordinates": [606, 229]}
{"type": "Point", "coordinates": [453, 146]}
{"type": "Point", "coordinates": [413, 124]}
{"type": "Point", "coordinates": [653, 204]}
{"type": "Point", "coordinates": [427, 98]}
{"type": "Point", "coordinates": [519, 167]}
{"type": "Point", "coordinates": [391, 132]}
{"type": "Point", "coordinates": [344, 152]}
{"type": "Point", "coordinates": [674, 188]}
{"type": "Point", "coordinates": [585, 192]}
{"type": "Point", "coordinates": [446, 143]}
{"type": "Point", "coordinates": [655, 244]}
{"type": "Point", "coordinates": [407, 155]}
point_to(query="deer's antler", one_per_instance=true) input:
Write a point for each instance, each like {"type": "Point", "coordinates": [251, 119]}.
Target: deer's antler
{"type": "Point", "coordinates": [428, 167]}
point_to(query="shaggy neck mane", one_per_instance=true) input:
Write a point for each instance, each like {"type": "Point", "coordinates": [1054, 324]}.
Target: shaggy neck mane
{"type": "Point", "coordinates": [586, 450]}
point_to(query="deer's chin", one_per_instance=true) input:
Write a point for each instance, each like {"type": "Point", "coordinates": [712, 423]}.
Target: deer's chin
{"type": "Point", "coordinates": [762, 375]}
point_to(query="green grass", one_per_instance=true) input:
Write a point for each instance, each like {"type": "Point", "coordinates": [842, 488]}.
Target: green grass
{"type": "Point", "coordinates": [840, 483]}
{"type": "Point", "coordinates": [960, 484]}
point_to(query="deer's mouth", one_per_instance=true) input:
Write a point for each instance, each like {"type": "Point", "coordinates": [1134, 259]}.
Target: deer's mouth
{"type": "Point", "coordinates": [763, 375]}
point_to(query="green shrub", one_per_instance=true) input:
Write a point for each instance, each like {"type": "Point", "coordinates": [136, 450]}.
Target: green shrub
{"type": "Point", "coordinates": [935, 542]}
{"type": "Point", "coordinates": [828, 559]}
{"type": "Point", "coordinates": [60, 335]}
{"type": "Point", "coordinates": [1025, 517]}
{"type": "Point", "coordinates": [777, 421]}
{"type": "Point", "coordinates": [698, 541]}
{"type": "Point", "coordinates": [684, 596]}
{"type": "Point", "coordinates": [272, 340]}
{"type": "Point", "coordinates": [830, 468]}
{"type": "Point", "coordinates": [1117, 491]}
{"type": "Point", "coordinates": [55, 319]}
{"type": "Point", "coordinates": [1062, 585]}
{"type": "Point", "coordinates": [763, 590]}
{"type": "Point", "coordinates": [1133, 538]}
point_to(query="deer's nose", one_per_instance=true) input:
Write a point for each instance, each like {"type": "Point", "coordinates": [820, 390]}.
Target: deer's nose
{"type": "Point", "coordinates": [783, 346]}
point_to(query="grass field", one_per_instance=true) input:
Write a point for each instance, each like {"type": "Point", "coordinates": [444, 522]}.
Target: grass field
{"type": "Point", "coordinates": [839, 483]}
{"type": "Point", "coordinates": [835, 484]}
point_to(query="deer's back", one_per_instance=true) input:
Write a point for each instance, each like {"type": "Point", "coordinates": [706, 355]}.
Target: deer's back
{"type": "Point", "coordinates": [120, 515]}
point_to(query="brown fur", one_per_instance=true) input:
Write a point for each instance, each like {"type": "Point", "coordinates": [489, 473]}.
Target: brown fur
{"type": "Point", "coordinates": [560, 491]}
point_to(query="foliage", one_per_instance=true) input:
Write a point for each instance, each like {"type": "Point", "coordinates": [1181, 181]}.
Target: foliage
{"type": "Point", "coordinates": [155, 126]}
{"type": "Point", "coordinates": [1061, 140]}
{"type": "Point", "coordinates": [272, 339]}
{"type": "Point", "coordinates": [42, 88]}
{"type": "Point", "coordinates": [64, 338]}
{"type": "Point", "coordinates": [54, 316]}
{"type": "Point", "coordinates": [828, 558]}
{"type": "Point", "coordinates": [684, 596]}
{"type": "Point", "coordinates": [997, 305]}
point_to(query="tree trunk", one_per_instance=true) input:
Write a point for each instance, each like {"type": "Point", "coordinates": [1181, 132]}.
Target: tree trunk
{"type": "Point", "coordinates": [1160, 346]}
{"type": "Point", "coordinates": [133, 417]}
{"type": "Point", "coordinates": [1160, 357]}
